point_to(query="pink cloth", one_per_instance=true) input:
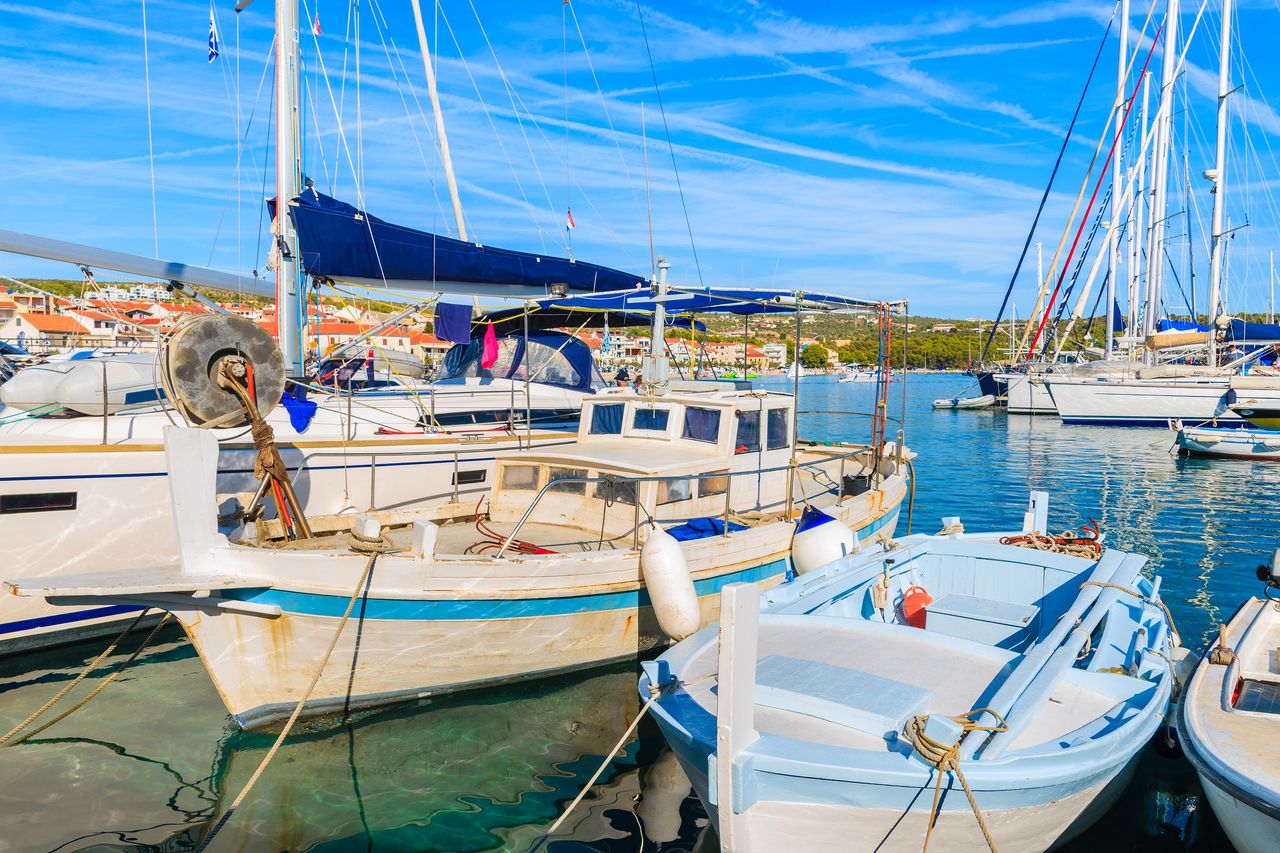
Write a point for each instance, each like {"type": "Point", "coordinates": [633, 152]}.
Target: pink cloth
{"type": "Point", "coordinates": [490, 356]}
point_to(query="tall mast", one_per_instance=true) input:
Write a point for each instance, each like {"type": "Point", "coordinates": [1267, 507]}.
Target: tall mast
{"type": "Point", "coordinates": [445, 159]}
{"type": "Point", "coordinates": [1137, 302]}
{"type": "Point", "coordinates": [1219, 178]}
{"type": "Point", "coordinates": [1160, 166]}
{"type": "Point", "coordinates": [290, 301]}
{"type": "Point", "coordinates": [1117, 170]}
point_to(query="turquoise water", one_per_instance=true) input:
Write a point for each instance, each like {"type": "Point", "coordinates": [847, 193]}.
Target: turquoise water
{"type": "Point", "coordinates": [155, 759]}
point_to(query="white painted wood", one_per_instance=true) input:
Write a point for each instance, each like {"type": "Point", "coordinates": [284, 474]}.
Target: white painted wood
{"type": "Point", "coordinates": [735, 727]}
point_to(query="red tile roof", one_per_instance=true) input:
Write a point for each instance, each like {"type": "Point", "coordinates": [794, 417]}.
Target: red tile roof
{"type": "Point", "coordinates": [55, 323]}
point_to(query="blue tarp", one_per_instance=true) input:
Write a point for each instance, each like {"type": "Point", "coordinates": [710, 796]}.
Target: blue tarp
{"type": "Point", "coordinates": [339, 241]}
{"type": "Point", "coordinates": [1239, 330]}
{"type": "Point", "coordinates": [1179, 326]}
{"type": "Point", "coordinates": [701, 528]}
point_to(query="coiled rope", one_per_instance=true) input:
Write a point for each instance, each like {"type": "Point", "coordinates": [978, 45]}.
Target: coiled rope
{"type": "Point", "coordinates": [1143, 598]}
{"type": "Point", "coordinates": [297, 709]}
{"type": "Point", "coordinates": [945, 758]}
{"type": "Point", "coordinates": [84, 672]}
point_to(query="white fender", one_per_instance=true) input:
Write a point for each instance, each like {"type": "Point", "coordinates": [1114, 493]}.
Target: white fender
{"type": "Point", "coordinates": [670, 586]}
{"type": "Point", "coordinates": [819, 539]}
{"type": "Point", "coordinates": [130, 384]}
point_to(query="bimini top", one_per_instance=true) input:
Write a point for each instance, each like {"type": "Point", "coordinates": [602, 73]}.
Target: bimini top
{"type": "Point", "coordinates": [341, 242]}
{"type": "Point", "coordinates": [636, 306]}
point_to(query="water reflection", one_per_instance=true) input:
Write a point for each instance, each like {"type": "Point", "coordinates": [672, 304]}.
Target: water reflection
{"type": "Point", "coordinates": [154, 760]}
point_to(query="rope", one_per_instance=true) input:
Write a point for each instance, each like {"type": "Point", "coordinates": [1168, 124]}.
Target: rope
{"type": "Point", "coordinates": [83, 673]}
{"type": "Point", "coordinates": [1143, 598]}
{"type": "Point", "coordinates": [655, 692]}
{"type": "Point", "coordinates": [297, 709]}
{"type": "Point", "coordinates": [945, 758]}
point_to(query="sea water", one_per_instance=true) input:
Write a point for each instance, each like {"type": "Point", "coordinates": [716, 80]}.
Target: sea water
{"type": "Point", "coordinates": [154, 760]}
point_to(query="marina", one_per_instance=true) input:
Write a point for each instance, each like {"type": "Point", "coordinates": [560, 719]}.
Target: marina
{"type": "Point", "coordinates": [487, 427]}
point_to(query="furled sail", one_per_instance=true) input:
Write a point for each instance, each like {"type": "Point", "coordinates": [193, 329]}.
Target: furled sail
{"type": "Point", "coordinates": [341, 242]}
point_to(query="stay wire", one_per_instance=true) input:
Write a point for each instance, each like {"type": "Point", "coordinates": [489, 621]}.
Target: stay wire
{"type": "Point", "coordinates": [1044, 198]}
{"type": "Point", "coordinates": [670, 148]}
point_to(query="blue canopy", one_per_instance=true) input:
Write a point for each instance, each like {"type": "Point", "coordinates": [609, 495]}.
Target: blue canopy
{"type": "Point", "coordinates": [1239, 330]}
{"type": "Point", "coordinates": [687, 301]}
{"type": "Point", "coordinates": [341, 242]}
{"type": "Point", "coordinates": [1179, 326]}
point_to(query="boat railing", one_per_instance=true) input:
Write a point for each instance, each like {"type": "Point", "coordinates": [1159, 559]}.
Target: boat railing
{"type": "Point", "coordinates": [842, 458]}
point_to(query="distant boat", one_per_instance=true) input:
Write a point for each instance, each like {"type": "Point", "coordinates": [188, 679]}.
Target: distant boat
{"type": "Point", "coordinates": [1230, 730]}
{"type": "Point", "coordinates": [983, 402]}
{"type": "Point", "coordinates": [815, 716]}
{"type": "Point", "coordinates": [853, 373]}
{"type": "Point", "coordinates": [795, 370]}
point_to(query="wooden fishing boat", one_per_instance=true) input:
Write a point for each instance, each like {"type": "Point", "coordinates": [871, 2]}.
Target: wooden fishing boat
{"type": "Point", "coordinates": [849, 710]}
{"type": "Point", "coordinates": [575, 556]}
{"type": "Point", "coordinates": [1230, 725]}
{"type": "Point", "coordinates": [1227, 442]}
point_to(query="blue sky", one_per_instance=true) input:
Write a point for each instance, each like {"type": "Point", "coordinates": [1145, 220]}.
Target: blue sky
{"type": "Point", "coordinates": [875, 149]}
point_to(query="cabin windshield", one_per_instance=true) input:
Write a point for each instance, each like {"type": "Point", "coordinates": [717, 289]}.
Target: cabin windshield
{"type": "Point", "coordinates": [552, 359]}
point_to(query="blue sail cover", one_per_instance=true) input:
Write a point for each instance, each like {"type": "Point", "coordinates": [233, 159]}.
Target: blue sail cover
{"type": "Point", "coordinates": [341, 242]}
{"type": "Point", "coordinates": [1239, 330]}
{"type": "Point", "coordinates": [1179, 326]}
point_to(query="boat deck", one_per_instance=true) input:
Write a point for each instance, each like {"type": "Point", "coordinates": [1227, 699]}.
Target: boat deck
{"type": "Point", "coordinates": [463, 537]}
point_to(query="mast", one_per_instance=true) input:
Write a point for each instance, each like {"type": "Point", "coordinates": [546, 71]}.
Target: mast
{"type": "Point", "coordinates": [445, 159]}
{"type": "Point", "coordinates": [1218, 176]}
{"type": "Point", "coordinates": [1117, 168]}
{"type": "Point", "coordinates": [290, 298]}
{"type": "Point", "coordinates": [1137, 301]}
{"type": "Point", "coordinates": [1160, 167]}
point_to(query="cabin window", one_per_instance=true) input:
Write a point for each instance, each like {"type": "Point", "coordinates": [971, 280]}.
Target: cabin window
{"type": "Point", "coordinates": [778, 429]}
{"type": "Point", "coordinates": [713, 486]}
{"type": "Point", "coordinates": [550, 365]}
{"type": "Point", "coordinates": [522, 477]}
{"type": "Point", "coordinates": [702, 424]}
{"type": "Point", "coordinates": [40, 502]}
{"type": "Point", "coordinates": [748, 440]}
{"type": "Point", "coordinates": [574, 487]}
{"type": "Point", "coordinates": [670, 491]}
{"type": "Point", "coordinates": [467, 478]}
{"type": "Point", "coordinates": [655, 420]}
{"type": "Point", "coordinates": [607, 420]}
{"type": "Point", "coordinates": [616, 491]}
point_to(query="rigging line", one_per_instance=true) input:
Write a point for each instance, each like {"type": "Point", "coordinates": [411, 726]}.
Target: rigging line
{"type": "Point", "coordinates": [1044, 199]}
{"type": "Point", "coordinates": [151, 150]}
{"type": "Point", "coordinates": [663, 111]}
{"type": "Point", "coordinates": [257, 255]}
{"type": "Point", "coordinates": [394, 48]}
{"type": "Point", "coordinates": [1110, 154]}
{"type": "Point", "coordinates": [512, 98]}
{"type": "Point", "coordinates": [315, 120]}
{"type": "Point", "coordinates": [604, 106]}
{"type": "Point", "coordinates": [564, 62]}
{"type": "Point", "coordinates": [1075, 275]}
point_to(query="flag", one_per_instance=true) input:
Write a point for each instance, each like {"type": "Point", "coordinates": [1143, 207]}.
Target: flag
{"type": "Point", "coordinates": [569, 221]}
{"type": "Point", "coordinates": [213, 36]}
{"type": "Point", "coordinates": [315, 28]}
{"type": "Point", "coordinates": [606, 346]}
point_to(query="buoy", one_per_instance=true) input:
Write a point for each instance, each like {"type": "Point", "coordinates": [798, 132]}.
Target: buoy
{"type": "Point", "coordinates": [914, 602]}
{"type": "Point", "coordinates": [666, 575]}
{"type": "Point", "coordinates": [819, 539]}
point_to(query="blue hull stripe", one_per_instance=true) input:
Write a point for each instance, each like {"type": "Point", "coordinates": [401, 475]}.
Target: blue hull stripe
{"type": "Point", "coordinates": [312, 604]}
{"type": "Point", "coordinates": [65, 618]}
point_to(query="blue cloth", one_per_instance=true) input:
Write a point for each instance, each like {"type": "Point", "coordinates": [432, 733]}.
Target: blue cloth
{"type": "Point", "coordinates": [453, 322]}
{"type": "Point", "coordinates": [301, 411]}
{"type": "Point", "coordinates": [701, 528]}
{"type": "Point", "coordinates": [338, 241]}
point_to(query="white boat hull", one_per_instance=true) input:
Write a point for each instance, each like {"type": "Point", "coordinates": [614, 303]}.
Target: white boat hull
{"type": "Point", "coordinates": [476, 623]}
{"type": "Point", "coordinates": [1135, 402]}
{"type": "Point", "coordinates": [1259, 444]}
{"type": "Point", "coordinates": [1027, 397]}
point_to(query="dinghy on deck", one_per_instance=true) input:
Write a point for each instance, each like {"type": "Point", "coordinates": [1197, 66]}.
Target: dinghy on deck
{"type": "Point", "coordinates": [1230, 723]}
{"type": "Point", "coordinates": [814, 717]}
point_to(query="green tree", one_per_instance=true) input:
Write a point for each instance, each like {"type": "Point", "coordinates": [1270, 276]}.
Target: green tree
{"type": "Point", "coordinates": [813, 356]}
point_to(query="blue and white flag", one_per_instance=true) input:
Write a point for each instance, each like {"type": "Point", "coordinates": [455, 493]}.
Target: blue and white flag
{"type": "Point", "coordinates": [213, 36]}
{"type": "Point", "coordinates": [606, 346]}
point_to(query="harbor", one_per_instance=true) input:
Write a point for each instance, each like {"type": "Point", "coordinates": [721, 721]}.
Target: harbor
{"type": "Point", "coordinates": [612, 427]}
